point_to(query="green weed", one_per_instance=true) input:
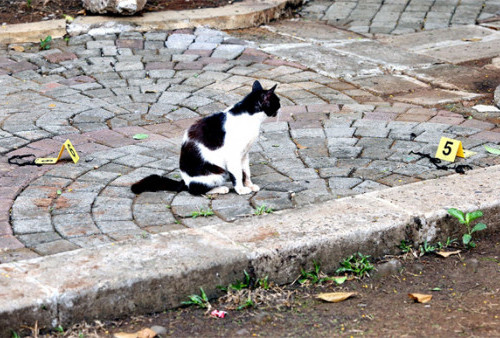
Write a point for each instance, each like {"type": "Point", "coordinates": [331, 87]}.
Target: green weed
{"type": "Point", "coordinates": [405, 246]}
{"type": "Point", "coordinates": [202, 212]}
{"type": "Point", "coordinates": [262, 209]}
{"type": "Point", "coordinates": [358, 265]}
{"type": "Point", "coordinates": [467, 219]}
{"type": "Point", "coordinates": [315, 276]}
{"type": "Point", "coordinates": [248, 303]}
{"type": "Point", "coordinates": [199, 300]}
{"type": "Point", "coordinates": [45, 43]}
{"type": "Point", "coordinates": [239, 285]}
{"type": "Point", "coordinates": [263, 283]}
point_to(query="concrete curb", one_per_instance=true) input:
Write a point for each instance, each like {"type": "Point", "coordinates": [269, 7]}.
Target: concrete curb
{"type": "Point", "coordinates": [32, 32]}
{"type": "Point", "coordinates": [246, 13]}
{"type": "Point", "coordinates": [148, 275]}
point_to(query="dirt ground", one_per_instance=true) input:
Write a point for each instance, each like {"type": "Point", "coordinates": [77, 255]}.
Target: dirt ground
{"type": "Point", "coordinates": [465, 291]}
{"type": "Point", "coordinates": [24, 11]}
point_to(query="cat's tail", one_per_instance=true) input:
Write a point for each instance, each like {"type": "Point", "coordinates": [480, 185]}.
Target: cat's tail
{"type": "Point", "coordinates": [157, 183]}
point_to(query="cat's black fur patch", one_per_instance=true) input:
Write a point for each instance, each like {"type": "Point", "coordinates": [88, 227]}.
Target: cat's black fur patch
{"type": "Point", "coordinates": [209, 131]}
{"type": "Point", "coordinates": [193, 164]}
{"type": "Point", "coordinates": [157, 183]}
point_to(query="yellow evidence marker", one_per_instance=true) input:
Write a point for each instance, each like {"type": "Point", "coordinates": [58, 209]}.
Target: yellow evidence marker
{"type": "Point", "coordinates": [448, 149]}
{"type": "Point", "coordinates": [53, 160]}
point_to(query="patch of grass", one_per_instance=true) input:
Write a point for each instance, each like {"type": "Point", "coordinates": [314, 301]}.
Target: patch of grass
{"type": "Point", "coordinates": [357, 264]}
{"type": "Point", "coordinates": [405, 246]}
{"type": "Point", "coordinates": [263, 283]}
{"type": "Point", "coordinates": [262, 209]}
{"type": "Point", "coordinates": [427, 248]}
{"type": "Point", "coordinates": [199, 300]}
{"type": "Point", "coordinates": [202, 212]}
{"type": "Point", "coordinates": [248, 303]}
{"type": "Point", "coordinates": [239, 285]}
{"type": "Point", "coordinates": [315, 276]}
{"type": "Point", "coordinates": [467, 219]}
{"type": "Point", "coordinates": [45, 43]}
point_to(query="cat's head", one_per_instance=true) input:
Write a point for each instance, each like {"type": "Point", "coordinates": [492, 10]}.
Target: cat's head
{"type": "Point", "coordinates": [265, 99]}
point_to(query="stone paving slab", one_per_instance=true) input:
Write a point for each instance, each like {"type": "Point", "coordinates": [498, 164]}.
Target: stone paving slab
{"type": "Point", "coordinates": [399, 17]}
{"type": "Point", "coordinates": [455, 44]}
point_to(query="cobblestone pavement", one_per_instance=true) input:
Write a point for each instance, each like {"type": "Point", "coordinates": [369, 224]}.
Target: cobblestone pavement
{"type": "Point", "coordinates": [401, 16]}
{"type": "Point", "coordinates": [333, 138]}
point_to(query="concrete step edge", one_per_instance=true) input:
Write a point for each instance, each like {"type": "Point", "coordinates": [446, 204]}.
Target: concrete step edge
{"type": "Point", "coordinates": [156, 273]}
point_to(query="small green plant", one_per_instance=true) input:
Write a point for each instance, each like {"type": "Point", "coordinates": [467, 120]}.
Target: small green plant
{"type": "Point", "coordinates": [314, 276]}
{"type": "Point", "coordinates": [405, 246]}
{"type": "Point", "coordinates": [200, 301]}
{"type": "Point", "coordinates": [248, 303]}
{"type": "Point", "coordinates": [467, 219]}
{"type": "Point", "coordinates": [59, 329]}
{"type": "Point", "coordinates": [450, 241]}
{"type": "Point", "coordinates": [28, 4]}
{"type": "Point", "coordinates": [359, 265]}
{"type": "Point", "coordinates": [263, 283]}
{"type": "Point", "coordinates": [45, 43]}
{"type": "Point", "coordinates": [239, 285]}
{"type": "Point", "coordinates": [202, 212]}
{"type": "Point", "coordinates": [15, 334]}
{"type": "Point", "coordinates": [427, 248]}
{"type": "Point", "coordinates": [262, 209]}
{"type": "Point", "coordinates": [247, 283]}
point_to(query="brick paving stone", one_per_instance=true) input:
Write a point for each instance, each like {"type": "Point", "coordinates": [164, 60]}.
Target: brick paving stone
{"type": "Point", "coordinates": [9, 242]}
{"type": "Point", "coordinates": [184, 204]}
{"type": "Point", "coordinates": [60, 57]}
{"type": "Point", "coordinates": [130, 43]}
{"type": "Point", "coordinates": [275, 200]}
{"type": "Point", "coordinates": [488, 136]}
{"type": "Point", "coordinates": [230, 209]}
{"type": "Point", "coordinates": [51, 248]}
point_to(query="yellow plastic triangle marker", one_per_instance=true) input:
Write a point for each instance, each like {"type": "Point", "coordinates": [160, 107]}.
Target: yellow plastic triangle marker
{"type": "Point", "coordinates": [448, 149]}
{"type": "Point", "coordinates": [71, 150]}
{"type": "Point", "coordinates": [53, 160]}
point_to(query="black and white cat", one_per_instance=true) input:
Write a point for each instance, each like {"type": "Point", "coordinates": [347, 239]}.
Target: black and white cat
{"type": "Point", "coordinates": [216, 148]}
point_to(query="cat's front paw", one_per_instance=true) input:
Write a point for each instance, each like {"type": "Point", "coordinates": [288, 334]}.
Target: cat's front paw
{"type": "Point", "coordinates": [243, 190]}
{"type": "Point", "coordinates": [254, 187]}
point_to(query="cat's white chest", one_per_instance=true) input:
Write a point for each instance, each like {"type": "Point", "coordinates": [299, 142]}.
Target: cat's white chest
{"type": "Point", "coordinates": [242, 131]}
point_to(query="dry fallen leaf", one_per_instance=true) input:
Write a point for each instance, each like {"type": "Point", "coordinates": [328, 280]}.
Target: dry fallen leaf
{"type": "Point", "coordinates": [300, 146]}
{"type": "Point", "coordinates": [17, 48]}
{"type": "Point", "coordinates": [472, 39]}
{"type": "Point", "coordinates": [144, 333]}
{"type": "Point", "coordinates": [420, 297]}
{"type": "Point", "coordinates": [447, 254]}
{"type": "Point", "coordinates": [335, 297]}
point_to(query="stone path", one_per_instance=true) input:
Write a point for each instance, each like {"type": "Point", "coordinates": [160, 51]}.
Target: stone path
{"type": "Point", "coordinates": [401, 16]}
{"type": "Point", "coordinates": [336, 136]}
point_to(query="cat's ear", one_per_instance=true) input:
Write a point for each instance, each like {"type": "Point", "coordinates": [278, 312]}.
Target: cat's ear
{"type": "Point", "coordinates": [256, 86]}
{"type": "Point", "coordinates": [269, 92]}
